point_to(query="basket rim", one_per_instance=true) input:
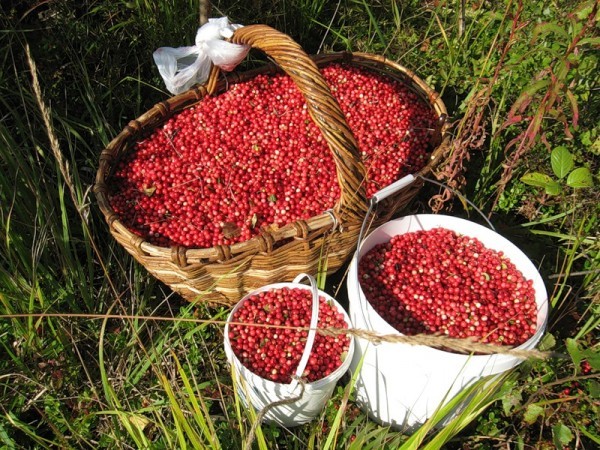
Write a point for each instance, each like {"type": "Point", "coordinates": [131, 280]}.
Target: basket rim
{"type": "Point", "coordinates": [264, 242]}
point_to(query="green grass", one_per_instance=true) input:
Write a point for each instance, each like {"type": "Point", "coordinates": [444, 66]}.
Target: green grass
{"type": "Point", "coordinates": [95, 353]}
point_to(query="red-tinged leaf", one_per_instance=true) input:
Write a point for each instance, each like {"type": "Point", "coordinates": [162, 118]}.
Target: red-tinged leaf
{"type": "Point", "coordinates": [574, 108]}
{"type": "Point", "coordinates": [534, 126]}
{"type": "Point", "coordinates": [561, 69]}
{"type": "Point", "coordinates": [511, 121]}
{"type": "Point", "coordinates": [523, 102]}
{"type": "Point", "coordinates": [544, 139]}
{"type": "Point", "coordinates": [514, 141]}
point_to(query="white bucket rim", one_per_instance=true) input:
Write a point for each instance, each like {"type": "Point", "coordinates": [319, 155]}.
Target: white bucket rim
{"type": "Point", "coordinates": [541, 296]}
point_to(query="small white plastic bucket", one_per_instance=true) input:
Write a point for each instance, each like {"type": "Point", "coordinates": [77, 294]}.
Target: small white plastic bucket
{"type": "Point", "coordinates": [402, 385]}
{"type": "Point", "coordinates": [262, 392]}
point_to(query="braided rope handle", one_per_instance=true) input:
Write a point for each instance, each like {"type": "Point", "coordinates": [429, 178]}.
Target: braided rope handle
{"type": "Point", "coordinates": [323, 108]}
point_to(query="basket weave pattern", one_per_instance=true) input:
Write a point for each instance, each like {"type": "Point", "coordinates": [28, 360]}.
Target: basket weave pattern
{"type": "Point", "coordinates": [224, 273]}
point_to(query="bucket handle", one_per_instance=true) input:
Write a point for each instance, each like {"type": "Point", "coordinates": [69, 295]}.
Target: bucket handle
{"type": "Point", "coordinates": [400, 184]}
{"type": "Point", "coordinates": [314, 320]}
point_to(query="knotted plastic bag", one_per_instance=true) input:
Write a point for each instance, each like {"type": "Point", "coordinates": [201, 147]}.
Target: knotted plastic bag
{"type": "Point", "coordinates": [183, 67]}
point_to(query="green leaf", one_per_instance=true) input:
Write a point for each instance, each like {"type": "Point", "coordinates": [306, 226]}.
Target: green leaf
{"type": "Point", "coordinates": [580, 178]}
{"type": "Point", "coordinates": [586, 138]}
{"type": "Point", "coordinates": [583, 10]}
{"type": "Point", "coordinates": [532, 413]}
{"type": "Point", "coordinates": [574, 351]}
{"type": "Point", "coordinates": [562, 161]}
{"type": "Point", "coordinates": [594, 388]}
{"type": "Point", "coordinates": [542, 180]}
{"type": "Point", "coordinates": [590, 40]}
{"type": "Point", "coordinates": [593, 357]}
{"type": "Point", "coordinates": [561, 435]}
{"type": "Point", "coordinates": [536, 179]}
{"type": "Point", "coordinates": [595, 147]}
{"type": "Point", "coordinates": [511, 400]}
{"type": "Point", "coordinates": [548, 342]}
{"type": "Point", "coordinates": [544, 29]}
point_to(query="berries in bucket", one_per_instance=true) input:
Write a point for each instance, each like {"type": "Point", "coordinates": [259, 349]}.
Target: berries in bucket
{"type": "Point", "coordinates": [437, 274]}
{"type": "Point", "coordinates": [271, 340]}
{"type": "Point", "coordinates": [440, 281]}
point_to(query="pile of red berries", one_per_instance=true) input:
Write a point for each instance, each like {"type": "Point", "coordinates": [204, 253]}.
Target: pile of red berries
{"type": "Point", "coordinates": [251, 158]}
{"type": "Point", "coordinates": [275, 352]}
{"type": "Point", "coordinates": [440, 282]}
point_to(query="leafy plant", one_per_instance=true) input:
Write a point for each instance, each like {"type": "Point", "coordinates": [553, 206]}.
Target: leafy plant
{"type": "Point", "coordinates": [562, 166]}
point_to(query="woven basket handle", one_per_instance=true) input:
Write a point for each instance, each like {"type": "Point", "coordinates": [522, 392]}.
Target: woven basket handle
{"type": "Point", "coordinates": [323, 108]}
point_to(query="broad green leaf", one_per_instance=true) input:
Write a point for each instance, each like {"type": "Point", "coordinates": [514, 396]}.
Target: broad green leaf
{"type": "Point", "coordinates": [593, 357]}
{"type": "Point", "coordinates": [537, 179]}
{"type": "Point", "coordinates": [532, 413]}
{"type": "Point", "coordinates": [553, 188]}
{"type": "Point", "coordinates": [561, 435]}
{"type": "Point", "coordinates": [586, 138]}
{"type": "Point", "coordinates": [542, 180]}
{"type": "Point", "coordinates": [574, 351]}
{"type": "Point", "coordinates": [580, 178]}
{"type": "Point", "coordinates": [562, 161]}
{"type": "Point", "coordinates": [548, 342]}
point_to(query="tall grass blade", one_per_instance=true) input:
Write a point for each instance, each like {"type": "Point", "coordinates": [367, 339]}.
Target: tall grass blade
{"type": "Point", "coordinates": [200, 412]}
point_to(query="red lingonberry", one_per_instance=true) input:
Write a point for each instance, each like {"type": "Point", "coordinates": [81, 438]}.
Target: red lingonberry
{"type": "Point", "coordinates": [440, 282]}
{"type": "Point", "coordinates": [251, 158]}
{"type": "Point", "coordinates": [274, 352]}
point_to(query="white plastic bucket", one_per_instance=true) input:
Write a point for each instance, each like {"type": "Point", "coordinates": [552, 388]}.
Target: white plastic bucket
{"type": "Point", "coordinates": [403, 385]}
{"type": "Point", "coordinates": [262, 392]}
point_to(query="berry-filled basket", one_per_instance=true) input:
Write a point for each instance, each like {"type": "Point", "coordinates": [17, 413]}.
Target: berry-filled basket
{"type": "Point", "coordinates": [224, 272]}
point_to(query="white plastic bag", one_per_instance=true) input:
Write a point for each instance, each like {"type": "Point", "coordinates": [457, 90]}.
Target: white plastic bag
{"type": "Point", "coordinates": [183, 67]}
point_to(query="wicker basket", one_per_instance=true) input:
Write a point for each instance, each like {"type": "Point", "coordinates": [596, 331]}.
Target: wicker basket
{"type": "Point", "coordinates": [224, 274]}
